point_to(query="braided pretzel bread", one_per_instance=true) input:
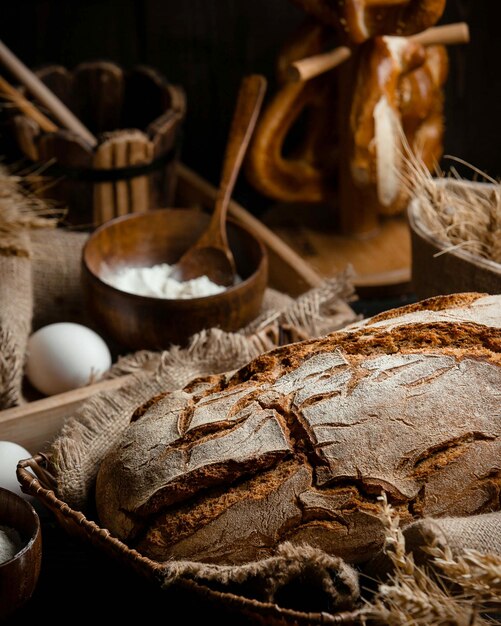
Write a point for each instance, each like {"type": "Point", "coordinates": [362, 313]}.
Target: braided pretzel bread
{"type": "Point", "coordinates": [421, 105]}
{"type": "Point", "coordinates": [360, 20]}
{"type": "Point", "coordinates": [398, 85]}
{"type": "Point", "coordinates": [307, 173]}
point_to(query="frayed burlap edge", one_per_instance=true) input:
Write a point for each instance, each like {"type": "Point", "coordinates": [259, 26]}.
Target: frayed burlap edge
{"type": "Point", "coordinates": [314, 313]}
{"type": "Point", "coordinates": [20, 211]}
{"type": "Point", "coordinates": [284, 320]}
{"type": "Point", "coordinates": [265, 579]}
{"type": "Point", "coordinates": [96, 427]}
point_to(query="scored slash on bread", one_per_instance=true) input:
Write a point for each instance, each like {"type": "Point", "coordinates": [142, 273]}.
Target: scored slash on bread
{"type": "Point", "coordinates": [297, 445]}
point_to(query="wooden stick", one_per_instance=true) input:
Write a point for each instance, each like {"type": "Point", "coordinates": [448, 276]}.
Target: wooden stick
{"type": "Point", "coordinates": [279, 247]}
{"type": "Point", "coordinates": [122, 204]}
{"type": "Point", "coordinates": [104, 202]}
{"type": "Point", "coordinates": [25, 106]}
{"type": "Point", "coordinates": [44, 95]}
{"type": "Point", "coordinates": [140, 151]}
{"type": "Point", "coordinates": [448, 35]}
{"type": "Point", "coordinates": [309, 67]}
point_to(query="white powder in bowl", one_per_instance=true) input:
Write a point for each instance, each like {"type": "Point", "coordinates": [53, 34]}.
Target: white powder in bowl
{"type": "Point", "coordinates": [10, 543]}
{"type": "Point", "coordinates": [156, 282]}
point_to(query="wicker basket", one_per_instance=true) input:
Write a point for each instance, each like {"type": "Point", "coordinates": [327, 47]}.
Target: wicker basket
{"type": "Point", "coordinates": [37, 481]}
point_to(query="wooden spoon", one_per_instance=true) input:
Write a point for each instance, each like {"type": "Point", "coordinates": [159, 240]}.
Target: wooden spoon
{"type": "Point", "coordinates": [211, 255]}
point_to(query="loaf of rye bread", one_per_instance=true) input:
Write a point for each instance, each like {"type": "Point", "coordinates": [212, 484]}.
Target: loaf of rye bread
{"type": "Point", "coordinates": [298, 445]}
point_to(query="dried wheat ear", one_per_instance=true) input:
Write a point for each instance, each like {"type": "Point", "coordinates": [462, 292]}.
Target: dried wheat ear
{"type": "Point", "coordinates": [460, 214]}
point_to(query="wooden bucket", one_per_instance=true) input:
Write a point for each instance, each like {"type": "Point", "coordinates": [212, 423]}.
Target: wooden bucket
{"type": "Point", "coordinates": [436, 272]}
{"type": "Point", "coordinates": [137, 118]}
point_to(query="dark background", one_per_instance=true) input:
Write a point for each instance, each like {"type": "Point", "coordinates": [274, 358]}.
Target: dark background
{"type": "Point", "coordinates": [207, 45]}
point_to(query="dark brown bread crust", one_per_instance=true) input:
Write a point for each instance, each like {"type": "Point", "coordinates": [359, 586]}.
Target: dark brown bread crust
{"type": "Point", "coordinates": [298, 444]}
{"type": "Point", "coordinates": [438, 303]}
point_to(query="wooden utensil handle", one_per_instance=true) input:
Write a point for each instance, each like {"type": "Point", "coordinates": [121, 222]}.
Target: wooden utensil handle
{"type": "Point", "coordinates": [189, 182]}
{"type": "Point", "coordinates": [247, 109]}
{"type": "Point", "coordinates": [44, 95]}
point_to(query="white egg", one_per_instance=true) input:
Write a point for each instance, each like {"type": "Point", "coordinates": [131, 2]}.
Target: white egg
{"type": "Point", "coordinates": [65, 356]}
{"type": "Point", "coordinates": [10, 454]}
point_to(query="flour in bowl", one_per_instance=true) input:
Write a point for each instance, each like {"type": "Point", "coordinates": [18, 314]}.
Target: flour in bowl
{"type": "Point", "coordinates": [156, 282]}
{"type": "Point", "coordinates": [10, 543]}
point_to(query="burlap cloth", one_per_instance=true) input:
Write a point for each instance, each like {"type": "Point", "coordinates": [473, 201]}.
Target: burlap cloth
{"type": "Point", "coordinates": [57, 295]}
{"type": "Point", "coordinates": [18, 212]}
{"type": "Point", "coordinates": [44, 267]}
{"type": "Point", "coordinates": [481, 533]}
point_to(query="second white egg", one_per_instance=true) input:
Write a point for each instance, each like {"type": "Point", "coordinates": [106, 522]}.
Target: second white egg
{"type": "Point", "coordinates": [65, 356]}
{"type": "Point", "coordinates": [10, 454]}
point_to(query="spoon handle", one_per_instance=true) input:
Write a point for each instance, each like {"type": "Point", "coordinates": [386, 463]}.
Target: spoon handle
{"type": "Point", "coordinates": [250, 98]}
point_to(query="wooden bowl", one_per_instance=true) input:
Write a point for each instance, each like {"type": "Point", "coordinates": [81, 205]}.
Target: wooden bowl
{"type": "Point", "coordinates": [19, 575]}
{"type": "Point", "coordinates": [161, 236]}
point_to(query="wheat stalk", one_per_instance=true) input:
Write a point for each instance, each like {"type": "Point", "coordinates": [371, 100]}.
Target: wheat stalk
{"type": "Point", "coordinates": [19, 206]}
{"type": "Point", "coordinates": [478, 575]}
{"type": "Point", "coordinates": [412, 596]}
{"type": "Point", "coordinates": [459, 216]}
